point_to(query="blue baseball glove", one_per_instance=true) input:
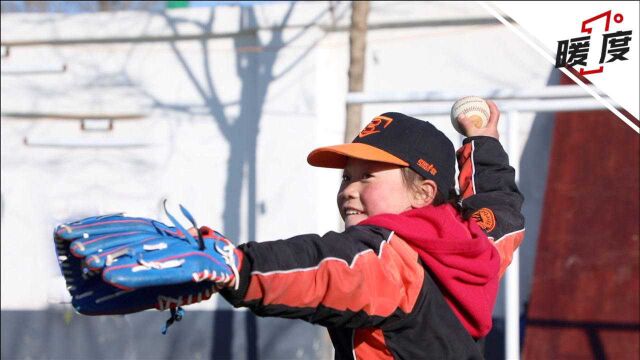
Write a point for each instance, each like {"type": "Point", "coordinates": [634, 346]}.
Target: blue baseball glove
{"type": "Point", "coordinates": [115, 264]}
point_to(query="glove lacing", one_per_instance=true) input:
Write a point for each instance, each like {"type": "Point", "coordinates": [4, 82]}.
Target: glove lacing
{"type": "Point", "coordinates": [227, 251]}
{"type": "Point", "coordinates": [176, 315]}
{"type": "Point", "coordinates": [228, 254]}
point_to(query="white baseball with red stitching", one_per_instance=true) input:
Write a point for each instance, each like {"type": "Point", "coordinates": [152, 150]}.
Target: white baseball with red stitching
{"type": "Point", "coordinates": [472, 107]}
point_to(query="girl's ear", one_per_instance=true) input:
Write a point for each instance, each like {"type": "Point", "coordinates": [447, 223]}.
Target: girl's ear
{"type": "Point", "coordinates": [424, 194]}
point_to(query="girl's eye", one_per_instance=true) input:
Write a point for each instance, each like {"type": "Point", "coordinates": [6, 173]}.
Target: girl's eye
{"type": "Point", "coordinates": [367, 176]}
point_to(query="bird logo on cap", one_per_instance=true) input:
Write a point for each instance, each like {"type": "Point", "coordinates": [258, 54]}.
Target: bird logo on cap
{"type": "Point", "coordinates": [374, 126]}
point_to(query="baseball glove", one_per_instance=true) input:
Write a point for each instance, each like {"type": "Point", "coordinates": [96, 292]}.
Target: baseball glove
{"type": "Point", "coordinates": [115, 264]}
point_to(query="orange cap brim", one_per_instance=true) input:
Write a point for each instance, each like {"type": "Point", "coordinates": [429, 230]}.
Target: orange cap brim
{"type": "Point", "coordinates": [336, 156]}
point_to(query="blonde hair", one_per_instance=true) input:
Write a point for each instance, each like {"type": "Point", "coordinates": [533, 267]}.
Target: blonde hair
{"type": "Point", "coordinates": [412, 181]}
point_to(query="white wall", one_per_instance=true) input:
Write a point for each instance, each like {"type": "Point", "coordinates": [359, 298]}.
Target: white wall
{"type": "Point", "coordinates": [284, 100]}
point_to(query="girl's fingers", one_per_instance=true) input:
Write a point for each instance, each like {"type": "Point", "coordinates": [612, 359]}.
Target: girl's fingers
{"type": "Point", "coordinates": [494, 113]}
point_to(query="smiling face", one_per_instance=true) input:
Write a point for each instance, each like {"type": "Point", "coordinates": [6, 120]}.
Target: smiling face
{"type": "Point", "coordinates": [370, 188]}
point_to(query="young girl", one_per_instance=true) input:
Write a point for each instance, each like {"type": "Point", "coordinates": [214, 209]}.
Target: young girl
{"type": "Point", "coordinates": [415, 273]}
{"type": "Point", "coordinates": [409, 277]}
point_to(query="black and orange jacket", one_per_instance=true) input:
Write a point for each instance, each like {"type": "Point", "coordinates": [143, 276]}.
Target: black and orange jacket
{"type": "Point", "coordinates": [417, 285]}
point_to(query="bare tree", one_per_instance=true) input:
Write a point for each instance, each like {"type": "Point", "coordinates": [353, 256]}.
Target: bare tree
{"type": "Point", "coordinates": [357, 50]}
{"type": "Point", "coordinates": [104, 5]}
{"type": "Point", "coordinates": [80, 6]}
{"type": "Point", "coordinates": [36, 6]}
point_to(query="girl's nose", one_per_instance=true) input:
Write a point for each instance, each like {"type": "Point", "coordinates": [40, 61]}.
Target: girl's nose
{"type": "Point", "coordinates": [349, 191]}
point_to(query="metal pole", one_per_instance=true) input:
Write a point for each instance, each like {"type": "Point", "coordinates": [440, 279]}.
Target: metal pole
{"type": "Point", "coordinates": [512, 276]}
{"type": "Point", "coordinates": [548, 92]}
{"type": "Point", "coordinates": [428, 106]}
{"type": "Point", "coordinates": [512, 321]}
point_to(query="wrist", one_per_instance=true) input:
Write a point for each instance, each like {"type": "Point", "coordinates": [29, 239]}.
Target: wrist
{"type": "Point", "coordinates": [479, 137]}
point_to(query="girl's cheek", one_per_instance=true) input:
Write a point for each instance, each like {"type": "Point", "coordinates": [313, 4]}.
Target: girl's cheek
{"type": "Point", "coordinates": [370, 200]}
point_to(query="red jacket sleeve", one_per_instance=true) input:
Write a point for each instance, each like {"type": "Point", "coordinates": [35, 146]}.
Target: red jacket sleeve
{"type": "Point", "coordinates": [362, 277]}
{"type": "Point", "coordinates": [489, 194]}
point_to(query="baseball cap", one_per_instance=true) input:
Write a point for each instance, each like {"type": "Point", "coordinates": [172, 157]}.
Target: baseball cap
{"type": "Point", "coordinates": [398, 139]}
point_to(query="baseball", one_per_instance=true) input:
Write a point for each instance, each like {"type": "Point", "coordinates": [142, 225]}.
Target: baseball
{"type": "Point", "coordinates": [472, 107]}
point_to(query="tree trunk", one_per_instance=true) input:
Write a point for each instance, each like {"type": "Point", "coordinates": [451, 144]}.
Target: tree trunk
{"type": "Point", "coordinates": [104, 5]}
{"type": "Point", "coordinates": [357, 50]}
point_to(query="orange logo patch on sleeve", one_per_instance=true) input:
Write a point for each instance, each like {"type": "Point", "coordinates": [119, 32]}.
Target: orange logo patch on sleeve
{"type": "Point", "coordinates": [374, 126]}
{"type": "Point", "coordinates": [485, 219]}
